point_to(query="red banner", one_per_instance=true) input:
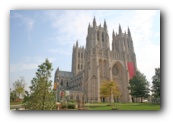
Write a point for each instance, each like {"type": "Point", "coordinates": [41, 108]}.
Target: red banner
{"type": "Point", "coordinates": [131, 69]}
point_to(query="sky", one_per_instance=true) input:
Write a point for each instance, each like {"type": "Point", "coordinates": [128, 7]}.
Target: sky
{"type": "Point", "coordinates": [39, 34]}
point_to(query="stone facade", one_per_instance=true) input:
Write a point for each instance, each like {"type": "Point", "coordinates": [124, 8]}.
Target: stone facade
{"type": "Point", "coordinates": [96, 62]}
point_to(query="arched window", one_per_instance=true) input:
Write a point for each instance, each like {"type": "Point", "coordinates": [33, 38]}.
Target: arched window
{"type": "Point", "coordinates": [78, 66]}
{"type": "Point", "coordinates": [115, 70]}
{"type": "Point", "coordinates": [102, 36]}
{"type": "Point", "coordinates": [97, 35]}
{"type": "Point", "coordinates": [61, 82]}
{"type": "Point", "coordinates": [67, 83]}
{"type": "Point", "coordinates": [81, 66]}
{"type": "Point", "coordinates": [78, 54]}
{"type": "Point", "coordinates": [77, 97]}
{"type": "Point", "coordinates": [71, 96]}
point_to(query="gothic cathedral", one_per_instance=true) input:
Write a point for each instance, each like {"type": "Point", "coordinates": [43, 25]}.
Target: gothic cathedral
{"type": "Point", "coordinates": [96, 62]}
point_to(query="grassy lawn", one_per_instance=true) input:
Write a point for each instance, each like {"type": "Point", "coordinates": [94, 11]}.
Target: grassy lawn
{"type": "Point", "coordinates": [123, 106]}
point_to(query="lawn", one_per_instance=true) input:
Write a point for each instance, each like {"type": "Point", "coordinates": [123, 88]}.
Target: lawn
{"type": "Point", "coordinates": [123, 106]}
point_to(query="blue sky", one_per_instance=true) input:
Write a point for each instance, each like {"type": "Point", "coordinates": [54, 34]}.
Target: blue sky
{"type": "Point", "coordinates": [39, 34]}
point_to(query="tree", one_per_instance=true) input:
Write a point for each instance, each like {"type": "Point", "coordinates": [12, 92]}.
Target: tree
{"type": "Point", "coordinates": [26, 97]}
{"type": "Point", "coordinates": [19, 87]}
{"type": "Point", "coordinates": [139, 86]}
{"type": "Point", "coordinates": [12, 96]}
{"type": "Point", "coordinates": [109, 89]}
{"type": "Point", "coordinates": [41, 96]}
{"type": "Point", "coordinates": [156, 84]}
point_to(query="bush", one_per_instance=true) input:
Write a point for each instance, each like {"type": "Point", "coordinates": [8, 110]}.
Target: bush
{"type": "Point", "coordinates": [63, 106]}
{"type": "Point", "coordinates": [69, 106]}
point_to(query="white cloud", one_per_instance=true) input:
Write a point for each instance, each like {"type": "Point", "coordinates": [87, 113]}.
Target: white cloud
{"type": "Point", "coordinates": [28, 22]}
{"type": "Point", "coordinates": [22, 66]}
{"type": "Point", "coordinates": [60, 51]}
{"type": "Point", "coordinates": [73, 24]}
{"type": "Point", "coordinates": [24, 20]}
{"type": "Point", "coordinates": [28, 63]}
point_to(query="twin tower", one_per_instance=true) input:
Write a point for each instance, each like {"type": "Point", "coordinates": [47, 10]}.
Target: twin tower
{"type": "Point", "coordinates": [96, 63]}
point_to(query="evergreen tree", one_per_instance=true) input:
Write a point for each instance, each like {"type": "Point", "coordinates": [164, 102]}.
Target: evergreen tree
{"type": "Point", "coordinates": [139, 86]}
{"type": "Point", "coordinates": [41, 96]}
{"type": "Point", "coordinates": [156, 83]}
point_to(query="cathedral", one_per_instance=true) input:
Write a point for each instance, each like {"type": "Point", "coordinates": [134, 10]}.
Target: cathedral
{"type": "Point", "coordinates": [95, 63]}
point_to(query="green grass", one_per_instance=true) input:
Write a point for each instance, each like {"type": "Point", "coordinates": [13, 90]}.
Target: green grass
{"type": "Point", "coordinates": [123, 106]}
{"type": "Point", "coordinates": [16, 103]}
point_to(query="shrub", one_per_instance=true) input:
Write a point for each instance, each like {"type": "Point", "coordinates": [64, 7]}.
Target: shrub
{"type": "Point", "coordinates": [71, 106]}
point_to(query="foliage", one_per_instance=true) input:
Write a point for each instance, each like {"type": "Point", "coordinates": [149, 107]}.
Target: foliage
{"type": "Point", "coordinates": [69, 106]}
{"type": "Point", "coordinates": [156, 83]}
{"type": "Point", "coordinates": [139, 86]}
{"type": "Point", "coordinates": [26, 97]}
{"type": "Point", "coordinates": [42, 96]}
{"type": "Point", "coordinates": [19, 87]}
{"type": "Point", "coordinates": [108, 89]}
{"type": "Point", "coordinates": [13, 96]}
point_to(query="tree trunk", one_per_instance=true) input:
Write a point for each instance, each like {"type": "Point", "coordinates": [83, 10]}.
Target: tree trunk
{"type": "Point", "coordinates": [141, 99]}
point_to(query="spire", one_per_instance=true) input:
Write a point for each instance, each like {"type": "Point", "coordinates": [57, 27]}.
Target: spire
{"type": "Point", "coordinates": [57, 71]}
{"type": "Point", "coordinates": [100, 25]}
{"type": "Point", "coordinates": [129, 33]}
{"type": "Point", "coordinates": [105, 26]}
{"type": "Point", "coordinates": [120, 31]}
{"type": "Point", "coordinates": [77, 43]}
{"type": "Point", "coordinates": [113, 34]}
{"type": "Point", "coordinates": [89, 26]}
{"type": "Point", "coordinates": [94, 22]}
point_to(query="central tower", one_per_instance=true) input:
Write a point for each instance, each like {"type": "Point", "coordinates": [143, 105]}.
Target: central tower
{"type": "Point", "coordinates": [97, 59]}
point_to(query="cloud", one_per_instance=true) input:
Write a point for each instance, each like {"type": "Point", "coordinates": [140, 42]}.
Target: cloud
{"type": "Point", "coordinates": [22, 66]}
{"type": "Point", "coordinates": [24, 21]}
{"type": "Point", "coordinates": [28, 63]}
{"type": "Point", "coordinates": [60, 51]}
{"type": "Point", "coordinates": [73, 24]}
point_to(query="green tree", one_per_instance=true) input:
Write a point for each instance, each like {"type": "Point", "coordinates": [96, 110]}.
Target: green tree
{"type": "Point", "coordinates": [19, 87]}
{"type": "Point", "coordinates": [26, 97]}
{"type": "Point", "coordinates": [13, 96]}
{"type": "Point", "coordinates": [139, 86]}
{"type": "Point", "coordinates": [109, 89]}
{"type": "Point", "coordinates": [41, 96]}
{"type": "Point", "coordinates": [156, 84]}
